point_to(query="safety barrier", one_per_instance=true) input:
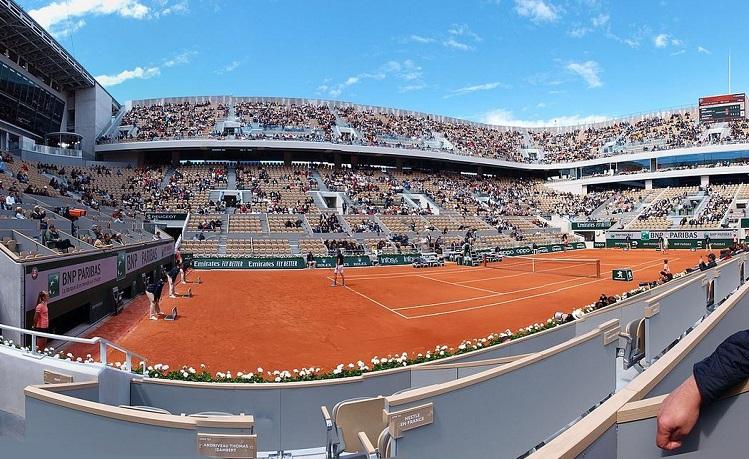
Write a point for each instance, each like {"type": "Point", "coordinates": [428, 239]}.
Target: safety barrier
{"type": "Point", "coordinates": [622, 427]}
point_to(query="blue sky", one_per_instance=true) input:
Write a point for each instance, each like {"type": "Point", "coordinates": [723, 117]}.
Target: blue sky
{"type": "Point", "coordinates": [504, 61]}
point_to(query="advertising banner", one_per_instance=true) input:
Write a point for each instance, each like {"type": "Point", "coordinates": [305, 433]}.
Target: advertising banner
{"type": "Point", "coordinates": [170, 216]}
{"type": "Point", "coordinates": [133, 261]}
{"type": "Point", "coordinates": [591, 226]}
{"type": "Point", "coordinates": [690, 239]}
{"type": "Point", "coordinates": [65, 281]}
{"type": "Point", "coordinates": [397, 259]}
{"type": "Point", "coordinates": [248, 263]}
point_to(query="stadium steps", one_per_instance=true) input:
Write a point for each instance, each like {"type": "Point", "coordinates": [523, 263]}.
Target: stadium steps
{"type": "Point", "coordinates": [294, 246]}
{"type": "Point", "coordinates": [306, 225]}
{"type": "Point", "coordinates": [647, 206]}
{"type": "Point", "coordinates": [339, 120]}
{"type": "Point", "coordinates": [320, 182]}
{"type": "Point", "coordinates": [732, 205]}
{"type": "Point", "coordinates": [601, 210]}
{"type": "Point", "coordinates": [384, 230]}
{"type": "Point", "coordinates": [344, 224]}
{"type": "Point", "coordinates": [319, 201]}
{"type": "Point", "coordinates": [231, 178]}
{"type": "Point", "coordinates": [168, 173]}
{"type": "Point", "coordinates": [264, 223]}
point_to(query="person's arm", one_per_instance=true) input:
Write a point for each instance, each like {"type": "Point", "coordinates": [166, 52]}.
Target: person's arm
{"type": "Point", "coordinates": [36, 317]}
{"type": "Point", "coordinates": [726, 367]}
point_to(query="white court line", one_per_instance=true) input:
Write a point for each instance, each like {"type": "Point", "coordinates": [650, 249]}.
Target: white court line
{"type": "Point", "coordinates": [419, 306]}
{"type": "Point", "coordinates": [374, 301]}
{"type": "Point", "coordinates": [515, 299]}
{"type": "Point", "coordinates": [416, 273]}
{"type": "Point", "coordinates": [458, 285]}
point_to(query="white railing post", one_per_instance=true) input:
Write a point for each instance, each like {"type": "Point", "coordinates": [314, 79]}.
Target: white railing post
{"type": "Point", "coordinates": [103, 352]}
{"type": "Point", "coordinates": [128, 361]}
{"type": "Point", "coordinates": [33, 343]}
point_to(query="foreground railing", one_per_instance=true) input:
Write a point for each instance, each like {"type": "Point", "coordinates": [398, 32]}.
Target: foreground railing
{"type": "Point", "coordinates": [104, 345]}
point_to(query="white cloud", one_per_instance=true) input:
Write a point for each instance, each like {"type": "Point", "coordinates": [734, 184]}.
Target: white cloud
{"type": "Point", "coordinates": [663, 40]}
{"type": "Point", "coordinates": [228, 68]}
{"type": "Point", "coordinates": [412, 87]}
{"type": "Point", "coordinates": [180, 59]}
{"type": "Point", "coordinates": [406, 70]}
{"type": "Point", "coordinates": [702, 50]}
{"type": "Point", "coordinates": [660, 40]}
{"type": "Point", "coordinates": [144, 73]}
{"type": "Point", "coordinates": [502, 117]}
{"type": "Point", "coordinates": [600, 20]}
{"type": "Point", "coordinates": [176, 8]}
{"type": "Point", "coordinates": [537, 11]}
{"type": "Point", "coordinates": [455, 44]}
{"type": "Point", "coordinates": [579, 32]}
{"type": "Point", "coordinates": [676, 53]}
{"type": "Point", "coordinates": [421, 39]}
{"type": "Point", "coordinates": [67, 28]}
{"type": "Point", "coordinates": [63, 11]}
{"type": "Point", "coordinates": [462, 30]}
{"type": "Point", "coordinates": [589, 71]}
{"type": "Point", "coordinates": [138, 73]}
{"type": "Point", "coordinates": [63, 17]}
{"type": "Point", "coordinates": [476, 88]}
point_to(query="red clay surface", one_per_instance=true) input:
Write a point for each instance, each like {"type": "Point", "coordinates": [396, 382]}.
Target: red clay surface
{"type": "Point", "coordinates": [241, 320]}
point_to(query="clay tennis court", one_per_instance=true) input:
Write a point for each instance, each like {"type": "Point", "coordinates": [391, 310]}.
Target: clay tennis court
{"type": "Point", "coordinates": [241, 320]}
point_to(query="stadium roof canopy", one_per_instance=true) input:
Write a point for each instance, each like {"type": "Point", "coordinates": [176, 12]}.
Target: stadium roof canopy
{"type": "Point", "coordinates": [25, 37]}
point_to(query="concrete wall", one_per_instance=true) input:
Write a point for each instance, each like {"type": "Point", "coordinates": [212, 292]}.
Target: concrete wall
{"type": "Point", "coordinates": [93, 110]}
{"type": "Point", "coordinates": [11, 294]}
{"type": "Point", "coordinates": [18, 370]}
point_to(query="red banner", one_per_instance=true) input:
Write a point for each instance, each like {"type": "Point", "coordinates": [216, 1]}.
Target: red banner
{"type": "Point", "coordinates": [722, 99]}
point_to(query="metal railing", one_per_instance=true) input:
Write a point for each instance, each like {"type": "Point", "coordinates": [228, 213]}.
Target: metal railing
{"type": "Point", "coordinates": [57, 151]}
{"type": "Point", "coordinates": [104, 345]}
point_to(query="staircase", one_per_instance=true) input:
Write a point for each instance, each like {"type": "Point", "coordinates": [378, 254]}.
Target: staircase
{"type": "Point", "coordinates": [294, 245]}
{"type": "Point", "coordinates": [320, 182]}
{"type": "Point", "coordinates": [224, 234]}
{"type": "Point", "coordinates": [168, 173]}
{"type": "Point", "coordinates": [231, 179]}
{"type": "Point", "coordinates": [264, 223]}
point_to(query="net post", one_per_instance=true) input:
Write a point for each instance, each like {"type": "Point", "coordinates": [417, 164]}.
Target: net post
{"type": "Point", "coordinates": [598, 268]}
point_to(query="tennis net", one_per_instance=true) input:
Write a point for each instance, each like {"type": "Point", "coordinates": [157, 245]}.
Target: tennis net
{"type": "Point", "coordinates": [575, 267]}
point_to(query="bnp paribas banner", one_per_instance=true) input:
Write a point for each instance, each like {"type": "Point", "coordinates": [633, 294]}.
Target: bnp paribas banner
{"type": "Point", "coordinates": [65, 281]}
{"type": "Point", "coordinates": [133, 261]}
{"type": "Point", "coordinates": [248, 263]}
{"type": "Point", "coordinates": [676, 239]}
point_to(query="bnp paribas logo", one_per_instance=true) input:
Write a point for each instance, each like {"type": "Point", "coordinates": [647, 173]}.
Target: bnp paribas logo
{"type": "Point", "coordinates": [121, 269]}
{"type": "Point", "coordinates": [53, 285]}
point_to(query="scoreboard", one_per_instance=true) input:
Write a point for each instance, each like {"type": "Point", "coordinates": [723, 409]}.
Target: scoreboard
{"type": "Point", "coordinates": [726, 107]}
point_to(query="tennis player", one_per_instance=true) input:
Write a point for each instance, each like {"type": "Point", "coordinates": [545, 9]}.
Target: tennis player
{"type": "Point", "coordinates": [564, 241]}
{"type": "Point", "coordinates": [339, 269]}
